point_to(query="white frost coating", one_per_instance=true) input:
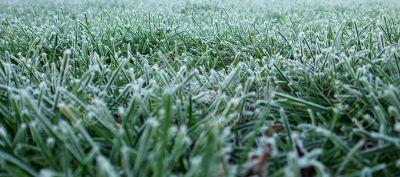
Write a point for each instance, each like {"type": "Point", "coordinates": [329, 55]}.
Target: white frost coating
{"type": "Point", "coordinates": [3, 132]}
{"type": "Point", "coordinates": [152, 122]}
{"type": "Point", "coordinates": [105, 166]}
{"type": "Point", "coordinates": [47, 173]}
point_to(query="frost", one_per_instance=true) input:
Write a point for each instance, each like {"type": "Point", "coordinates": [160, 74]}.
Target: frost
{"type": "Point", "coordinates": [152, 122]}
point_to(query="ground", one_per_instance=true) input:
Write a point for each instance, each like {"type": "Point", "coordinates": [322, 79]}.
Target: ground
{"type": "Point", "coordinates": [200, 88]}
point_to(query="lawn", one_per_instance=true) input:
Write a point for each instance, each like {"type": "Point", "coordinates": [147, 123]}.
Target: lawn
{"type": "Point", "coordinates": [200, 88]}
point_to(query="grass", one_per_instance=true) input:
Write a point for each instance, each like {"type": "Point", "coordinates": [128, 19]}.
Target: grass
{"type": "Point", "coordinates": [199, 88]}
